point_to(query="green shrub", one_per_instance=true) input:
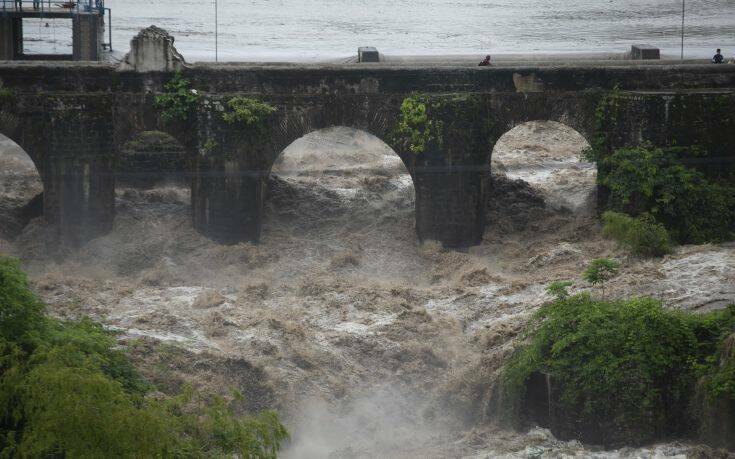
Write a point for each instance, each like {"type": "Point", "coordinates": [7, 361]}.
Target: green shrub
{"type": "Point", "coordinates": [559, 289]}
{"type": "Point", "coordinates": [416, 130]}
{"type": "Point", "coordinates": [179, 100]}
{"type": "Point", "coordinates": [693, 208]}
{"type": "Point", "coordinates": [642, 236]}
{"type": "Point", "coordinates": [67, 390]}
{"type": "Point", "coordinates": [247, 111]}
{"type": "Point", "coordinates": [619, 372]}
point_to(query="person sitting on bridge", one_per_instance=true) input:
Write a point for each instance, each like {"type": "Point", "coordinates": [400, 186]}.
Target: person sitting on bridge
{"type": "Point", "coordinates": [718, 58]}
{"type": "Point", "coordinates": [485, 62]}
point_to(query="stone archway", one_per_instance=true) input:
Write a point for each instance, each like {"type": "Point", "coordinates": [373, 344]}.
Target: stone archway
{"type": "Point", "coordinates": [548, 156]}
{"type": "Point", "coordinates": [341, 174]}
{"type": "Point", "coordinates": [21, 188]}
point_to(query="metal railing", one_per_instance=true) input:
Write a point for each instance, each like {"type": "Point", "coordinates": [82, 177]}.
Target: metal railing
{"type": "Point", "coordinates": [50, 6]}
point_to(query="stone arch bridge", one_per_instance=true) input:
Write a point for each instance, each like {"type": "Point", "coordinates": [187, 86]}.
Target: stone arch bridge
{"type": "Point", "coordinates": [73, 119]}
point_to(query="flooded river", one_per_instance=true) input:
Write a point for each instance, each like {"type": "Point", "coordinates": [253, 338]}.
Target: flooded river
{"type": "Point", "coordinates": [304, 30]}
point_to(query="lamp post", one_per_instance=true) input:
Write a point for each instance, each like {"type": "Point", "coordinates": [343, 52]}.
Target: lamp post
{"type": "Point", "coordinates": [683, 10]}
{"type": "Point", "coordinates": [216, 33]}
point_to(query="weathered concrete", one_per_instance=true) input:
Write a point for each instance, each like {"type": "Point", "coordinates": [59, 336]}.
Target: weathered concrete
{"type": "Point", "coordinates": [73, 120]}
{"type": "Point", "coordinates": [152, 50]}
{"type": "Point", "coordinates": [11, 37]}
{"type": "Point", "coordinates": [88, 36]}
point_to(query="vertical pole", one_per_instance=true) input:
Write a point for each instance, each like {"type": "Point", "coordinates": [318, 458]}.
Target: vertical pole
{"type": "Point", "coordinates": [216, 33]}
{"type": "Point", "coordinates": [683, 10]}
{"type": "Point", "coordinates": [109, 26]}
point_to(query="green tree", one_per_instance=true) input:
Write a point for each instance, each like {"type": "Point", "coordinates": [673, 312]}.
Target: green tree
{"type": "Point", "coordinates": [68, 390]}
{"type": "Point", "coordinates": [600, 271]}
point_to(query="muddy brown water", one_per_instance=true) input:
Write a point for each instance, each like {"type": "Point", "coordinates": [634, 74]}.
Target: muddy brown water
{"type": "Point", "coordinates": [369, 343]}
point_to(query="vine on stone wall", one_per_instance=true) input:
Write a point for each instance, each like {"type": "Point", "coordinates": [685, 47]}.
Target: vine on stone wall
{"type": "Point", "coordinates": [416, 130]}
{"type": "Point", "coordinates": [7, 96]}
{"type": "Point", "coordinates": [247, 111]}
{"type": "Point", "coordinates": [606, 115]}
{"type": "Point", "coordinates": [179, 100]}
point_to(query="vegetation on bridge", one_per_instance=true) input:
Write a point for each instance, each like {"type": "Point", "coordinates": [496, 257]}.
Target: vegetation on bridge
{"type": "Point", "coordinates": [179, 99]}
{"type": "Point", "coordinates": [67, 390]}
{"type": "Point", "coordinates": [417, 129]}
{"type": "Point", "coordinates": [655, 181]}
{"type": "Point", "coordinates": [247, 111]}
{"type": "Point", "coordinates": [679, 187]}
{"type": "Point", "coordinates": [622, 371]}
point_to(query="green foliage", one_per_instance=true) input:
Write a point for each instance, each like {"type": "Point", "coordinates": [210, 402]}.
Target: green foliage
{"type": "Point", "coordinates": [247, 111]}
{"type": "Point", "coordinates": [416, 130]}
{"type": "Point", "coordinates": [606, 115]}
{"type": "Point", "coordinates": [67, 390]}
{"type": "Point", "coordinates": [693, 208]}
{"type": "Point", "coordinates": [209, 146]}
{"type": "Point", "coordinates": [600, 271]}
{"type": "Point", "coordinates": [179, 100]}
{"type": "Point", "coordinates": [620, 371]}
{"type": "Point", "coordinates": [7, 96]}
{"type": "Point", "coordinates": [559, 289]}
{"type": "Point", "coordinates": [642, 236]}
{"type": "Point", "coordinates": [21, 311]}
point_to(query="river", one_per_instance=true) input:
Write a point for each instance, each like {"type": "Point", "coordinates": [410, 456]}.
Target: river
{"type": "Point", "coordinates": [305, 30]}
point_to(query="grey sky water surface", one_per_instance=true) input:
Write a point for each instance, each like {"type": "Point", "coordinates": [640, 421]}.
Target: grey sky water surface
{"type": "Point", "coordinates": [305, 30]}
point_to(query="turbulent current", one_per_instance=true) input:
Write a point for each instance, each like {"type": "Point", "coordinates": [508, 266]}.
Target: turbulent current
{"type": "Point", "coordinates": [369, 343]}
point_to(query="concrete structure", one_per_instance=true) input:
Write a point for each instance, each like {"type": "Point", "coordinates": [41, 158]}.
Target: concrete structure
{"type": "Point", "coordinates": [644, 52]}
{"type": "Point", "coordinates": [152, 50]}
{"type": "Point", "coordinates": [368, 54]}
{"type": "Point", "coordinates": [73, 120]}
{"type": "Point", "coordinates": [88, 28]}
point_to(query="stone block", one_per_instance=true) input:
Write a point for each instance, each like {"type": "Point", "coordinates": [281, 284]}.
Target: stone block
{"type": "Point", "coordinates": [644, 52]}
{"type": "Point", "coordinates": [368, 54]}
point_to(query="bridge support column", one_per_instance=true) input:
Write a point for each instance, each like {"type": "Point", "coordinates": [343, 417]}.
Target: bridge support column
{"type": "Point", "coordinates": [449, 206]}
{"type": "Point", "coordinates": [11, 37]}
{"type": "Point", "coordinates": [87, 36]}
{"type": "Point", "coordinates": [79, 198]}
{"type": "Point", "coordinates": [227, 201]}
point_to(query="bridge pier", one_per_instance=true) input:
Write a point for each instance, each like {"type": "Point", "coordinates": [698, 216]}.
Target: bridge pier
{"type": "Point", "coordinates": [79, 198]}
{"type": "Point", "coordinates": [227, 201]}
{"type": "Point", "coordinates": [11, 37]}
{"type": "Point", "coordinates": [449, 207]}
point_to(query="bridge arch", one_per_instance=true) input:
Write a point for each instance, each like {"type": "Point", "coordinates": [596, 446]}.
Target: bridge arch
{"type": "Point", "coordinates": [21, 187]}
{"type": "Point", "coordinates": [548, 157]}
{"type": "Point", "coordinates": [339, 176]}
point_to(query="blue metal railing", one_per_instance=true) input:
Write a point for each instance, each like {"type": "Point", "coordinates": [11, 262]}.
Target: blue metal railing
{"type": "Point", "coordinates": [51, 6]}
